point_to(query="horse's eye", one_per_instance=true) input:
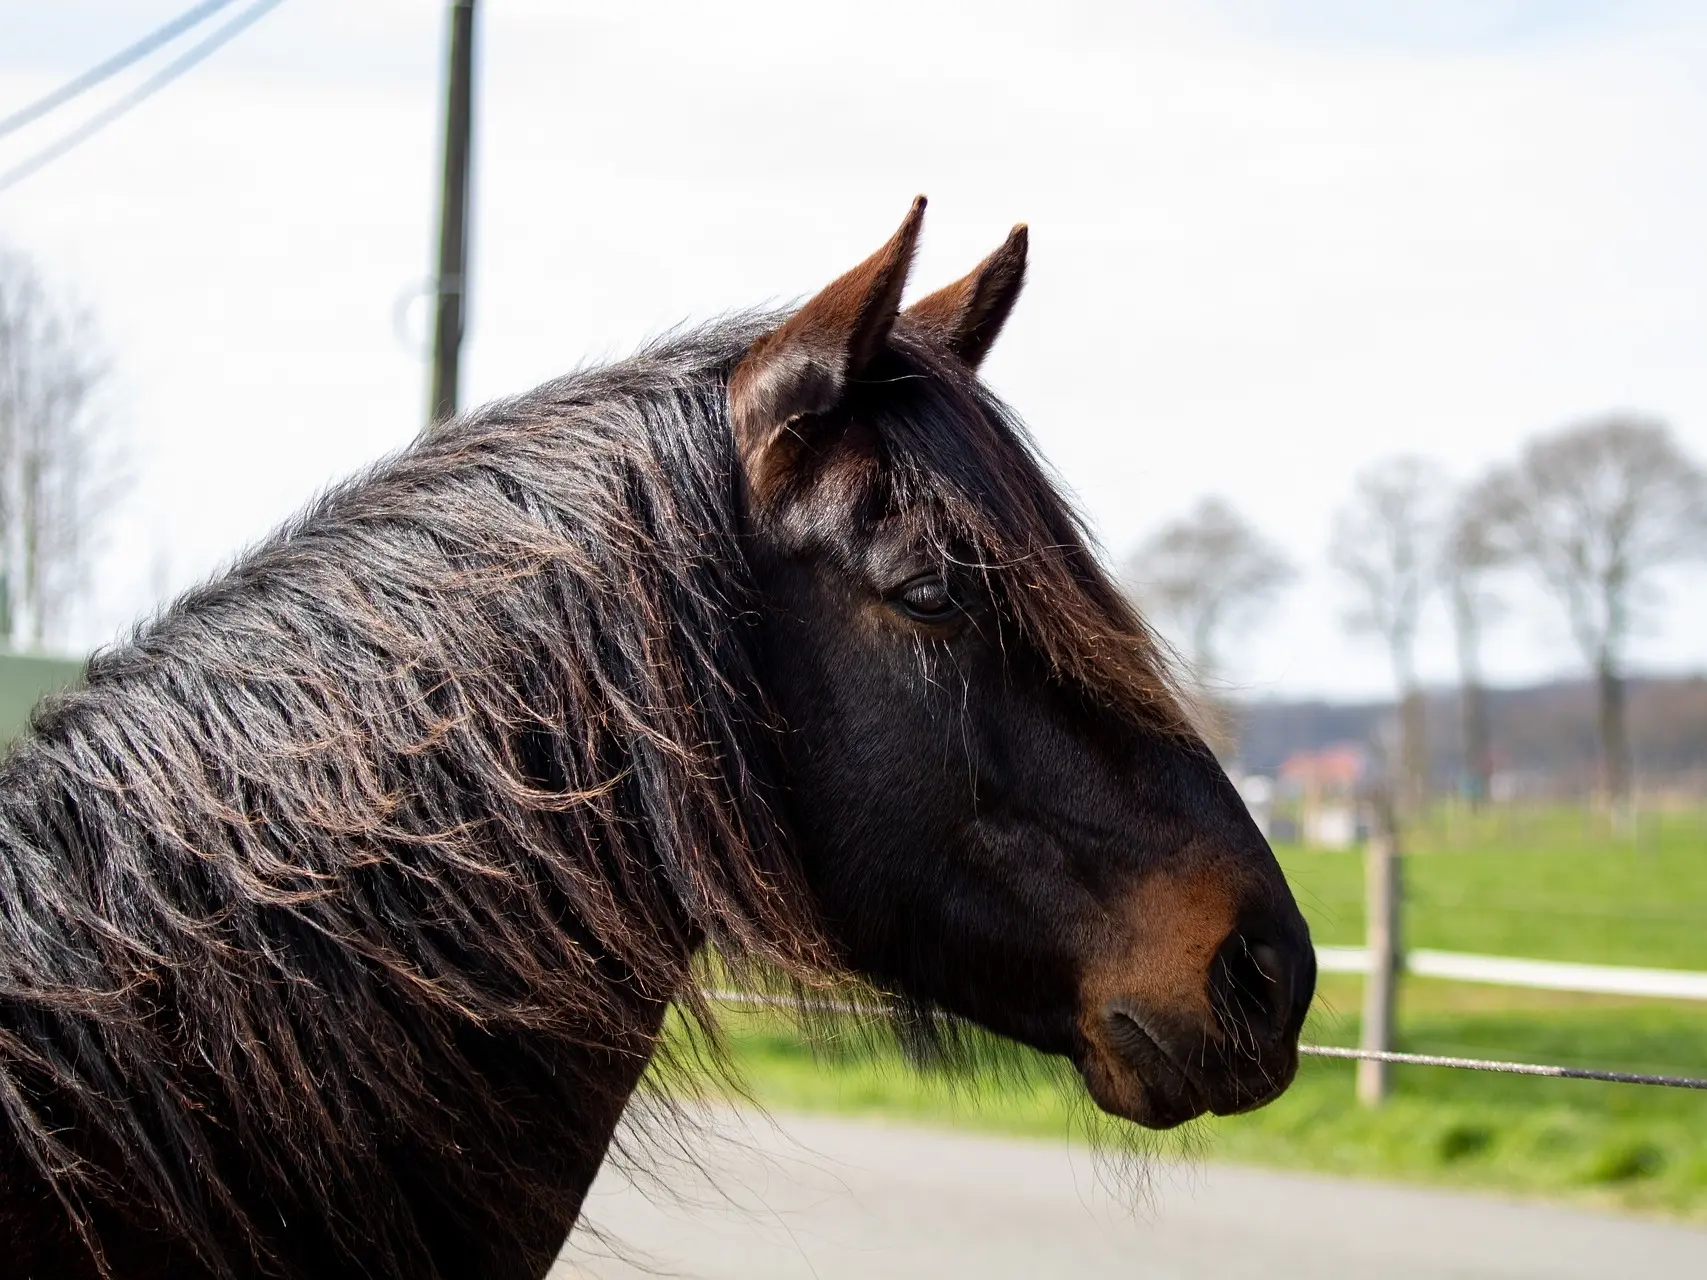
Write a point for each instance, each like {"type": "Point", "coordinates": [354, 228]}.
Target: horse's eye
{"type": "Point", "coordinates": [926, 599]}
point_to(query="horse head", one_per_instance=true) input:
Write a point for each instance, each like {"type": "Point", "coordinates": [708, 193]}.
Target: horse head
{"type": "Point", "coordinates": [1001, 807]}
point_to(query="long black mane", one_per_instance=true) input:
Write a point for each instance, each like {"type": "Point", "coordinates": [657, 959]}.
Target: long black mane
{"type": "Point", "coordinates": [436, 791]}
{"type": "Point", "coordinates": [470, 745]}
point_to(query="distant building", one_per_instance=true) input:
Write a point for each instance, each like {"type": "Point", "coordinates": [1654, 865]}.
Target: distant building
{"type": "Point", "coordinates": [1325, 784]}
{"type": "Point", "coordinates": [1257, 791]}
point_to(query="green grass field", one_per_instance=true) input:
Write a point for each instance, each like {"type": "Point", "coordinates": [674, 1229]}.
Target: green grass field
{"type": "Point", "coordinates": [1558, 889]}
{"type": "Point", "coordinates": [1550, 885]}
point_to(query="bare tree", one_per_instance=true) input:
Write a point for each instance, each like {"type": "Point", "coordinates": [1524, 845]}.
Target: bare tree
{"type": "Point", "coordinates": [1205, 572]}
{"type": "Point", "coordinates": [1384, 542]}
{"type": "Point", "coordinates": [1595, 509]}
{"type": "Point", "coordinates": [1470, 555]}
{"type": "Point", "coordinates": [57, 467]}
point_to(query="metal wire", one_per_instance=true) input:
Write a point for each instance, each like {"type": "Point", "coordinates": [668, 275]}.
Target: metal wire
{"type": "Point", "coordinates": [1511, 1068]}
{"type": "Point", "coordinates": [1309, 1050]}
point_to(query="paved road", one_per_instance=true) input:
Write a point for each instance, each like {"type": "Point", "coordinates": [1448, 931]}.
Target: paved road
{"type": "Point", "coordinates": [833, 1200]}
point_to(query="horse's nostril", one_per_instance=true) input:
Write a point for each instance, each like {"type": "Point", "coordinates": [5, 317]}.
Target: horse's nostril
{"type": "Point", "coordinates": [1268, 964]}
{"type": "Point", "coordinates": [1251, 987]}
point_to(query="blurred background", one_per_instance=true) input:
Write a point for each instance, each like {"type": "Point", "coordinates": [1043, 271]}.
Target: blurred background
{"type": "Point", "coordinates": [1370, 338]}
{"type": "Point", "coordinates": [1274, 242]}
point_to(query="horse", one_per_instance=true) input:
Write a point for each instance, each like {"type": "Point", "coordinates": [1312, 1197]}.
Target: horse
{"type": "Point", "coordinates": [342, 905]}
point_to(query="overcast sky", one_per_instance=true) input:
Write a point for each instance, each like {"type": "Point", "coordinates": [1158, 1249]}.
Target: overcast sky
{"type": "Point", "coordinates": [1272, 240]}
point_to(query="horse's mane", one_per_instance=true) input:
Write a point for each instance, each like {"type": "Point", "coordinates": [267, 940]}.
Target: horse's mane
{"type": "Point", "coordinates": [472, 753]}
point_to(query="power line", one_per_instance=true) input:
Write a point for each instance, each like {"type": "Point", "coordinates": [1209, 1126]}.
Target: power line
{"type": "Point", "coordinates": [112, 66]}
{"type": "Point", "coordinates": [147, 89]}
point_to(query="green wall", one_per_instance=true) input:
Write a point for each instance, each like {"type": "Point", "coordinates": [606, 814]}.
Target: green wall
{"type": "Point", "coordinates": [24, 678]}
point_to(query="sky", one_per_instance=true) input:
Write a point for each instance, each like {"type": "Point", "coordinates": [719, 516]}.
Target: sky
{"type": "Point", "coordinates": [1272, 242]}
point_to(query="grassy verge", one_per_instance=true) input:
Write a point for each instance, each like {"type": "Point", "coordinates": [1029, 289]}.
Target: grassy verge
{"type": "Point", "coordinates": [1638, 1148]}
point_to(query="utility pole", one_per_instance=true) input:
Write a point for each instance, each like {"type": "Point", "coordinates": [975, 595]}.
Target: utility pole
{"type": "Point", "coordinates": [451, 284]}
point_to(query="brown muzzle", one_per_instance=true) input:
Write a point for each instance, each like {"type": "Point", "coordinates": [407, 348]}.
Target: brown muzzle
{"type": "Point", "coordinates": [1198, 1000]}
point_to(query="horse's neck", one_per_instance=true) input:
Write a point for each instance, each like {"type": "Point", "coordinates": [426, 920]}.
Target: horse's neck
{"type": "Point", "coordinates": [533, 1244]}
{"type": "Point", "coordinates": [502, 1211]}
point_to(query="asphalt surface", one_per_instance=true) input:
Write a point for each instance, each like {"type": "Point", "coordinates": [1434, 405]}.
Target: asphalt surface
{"type": "Point", "coordinates": [832, 1200]}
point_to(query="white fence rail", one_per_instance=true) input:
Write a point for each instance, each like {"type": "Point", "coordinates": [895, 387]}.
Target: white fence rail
{"type": "Point", "coordinates": [1547, 975]}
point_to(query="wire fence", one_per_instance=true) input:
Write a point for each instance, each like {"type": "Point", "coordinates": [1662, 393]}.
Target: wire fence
{"type": "Point", "coordinates": [1491, 1064]}
{"type": "Point", "coordinates": [762, 1000]}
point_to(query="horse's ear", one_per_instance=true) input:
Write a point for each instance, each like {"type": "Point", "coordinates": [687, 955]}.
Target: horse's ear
{"type": "Point", "coordinates": [805, 367]}
{"type": "Point", "coordinates": [967, 316]}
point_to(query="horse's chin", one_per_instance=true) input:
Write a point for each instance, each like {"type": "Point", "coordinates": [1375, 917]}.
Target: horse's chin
{"type": "Point", "coordinates": [1154, 1094]}
{"type": "Point", "coordinates": [1129, 1074]}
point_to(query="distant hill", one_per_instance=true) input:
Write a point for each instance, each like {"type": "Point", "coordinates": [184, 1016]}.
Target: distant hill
{"type": "Point", "coordinates": [1545, 730]}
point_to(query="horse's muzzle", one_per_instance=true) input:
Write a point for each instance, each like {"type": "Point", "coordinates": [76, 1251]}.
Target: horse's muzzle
{"type": "Point", "coordinates": [1230, 1046]}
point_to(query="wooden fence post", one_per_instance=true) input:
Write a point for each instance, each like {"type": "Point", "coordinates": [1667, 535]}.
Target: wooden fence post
{"type": "Point", "coordinates": [1383, 894]}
